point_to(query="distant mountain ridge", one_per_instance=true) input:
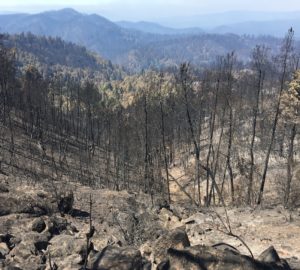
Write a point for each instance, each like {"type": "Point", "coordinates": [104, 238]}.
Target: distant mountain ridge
{"type": "Point", "coordinates": [213, 20]}
{"type": "Point", "coordinates": [93, 31]}
{"type": "Point", "coordinates": [155, 28]}
{"type": "Point", "coordinates": [147, 45]}
{"type": "Point", "coordinates": [272, 28]}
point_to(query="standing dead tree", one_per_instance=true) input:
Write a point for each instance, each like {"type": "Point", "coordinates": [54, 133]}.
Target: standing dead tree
{"type": "Point", "coordinates": [163, 136]}
{"type": "Point", "coordinates": [185, 83]}
{"type": "Point", "coordinates": [287, 48]}
{"type": "Point", "coordinates": [259, 58]}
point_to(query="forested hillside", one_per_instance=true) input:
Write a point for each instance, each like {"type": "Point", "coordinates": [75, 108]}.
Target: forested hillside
{"type": "Point", "coordinates": [199, 50]}
{"type": "Point", "coordinates": [224, 124]}
{"type": "Point", "coordinates": [51, 55]}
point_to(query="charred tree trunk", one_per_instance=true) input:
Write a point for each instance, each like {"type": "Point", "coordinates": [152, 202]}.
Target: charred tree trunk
{"type": "Point", "coordinates": [255, 113]}
{"type": "Point", "coordinates": [184, 85]}
{"type": "Point", "coordinates": [290, 166]}
{"type": "Point", "coordinates": [287, 48]}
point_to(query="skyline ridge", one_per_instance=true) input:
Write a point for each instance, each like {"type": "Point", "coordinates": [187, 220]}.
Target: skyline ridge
{"type": "Point", "coordinates": [253, 23]}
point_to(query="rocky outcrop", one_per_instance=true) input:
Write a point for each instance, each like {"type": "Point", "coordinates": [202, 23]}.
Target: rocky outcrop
{"type": "Point", "coordinates": [67, 251]}
{"type": "Point", "coordinates": [128, 234]}
{"type": "Point", "coordinates": [209, 258]}
{"type": "Point", "coordinates": [35, 205]}
{"type": "Point", "coordinates": [174, 239]}
{"type": "Point", "coordinates": [117, 258]}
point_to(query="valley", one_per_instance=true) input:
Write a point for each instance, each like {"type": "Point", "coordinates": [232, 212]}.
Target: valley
{"type": "Point", "coordinates": [132, 145]}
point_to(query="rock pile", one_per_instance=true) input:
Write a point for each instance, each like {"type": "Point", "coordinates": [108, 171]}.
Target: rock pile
{"type": "Point", "coordinates": [39, 231]}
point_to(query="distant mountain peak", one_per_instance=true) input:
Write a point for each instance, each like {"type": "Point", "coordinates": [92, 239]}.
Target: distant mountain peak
{"type": "Point", "coordinates": [65, 12]}
{"type": "Point", "coordinates": [69, 10]}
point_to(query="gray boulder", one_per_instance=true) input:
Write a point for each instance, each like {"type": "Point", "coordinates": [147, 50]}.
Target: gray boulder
{"type": "Point", "coordinates": [25, 256]}
{"type": "Point", "coordinates": [56, 225]}
{"type": "Point", "coordinates": [38, 225]}
{"type": "Point", "coordinates": [270, 255]}
{"type": "Point", "coordinates": [117, 258]}
{"type": "Point", "coordinates": [3, 188]}
{"type": "Point", "coordinates": [66, 245]}
{"type": "Point", "coordinates": [209, 258]}
{"type": "Point", "coordinates": [174, 239]}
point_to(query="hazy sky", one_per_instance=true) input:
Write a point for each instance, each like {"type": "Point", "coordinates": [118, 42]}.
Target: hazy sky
{"type": "Point", "coordinates": [150, 9]}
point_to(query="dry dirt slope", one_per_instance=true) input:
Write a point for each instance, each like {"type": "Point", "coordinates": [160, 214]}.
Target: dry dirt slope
{"type": "Point", "coordinates": [28, 204]}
